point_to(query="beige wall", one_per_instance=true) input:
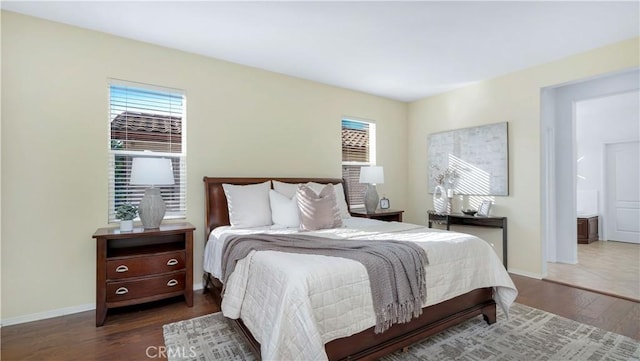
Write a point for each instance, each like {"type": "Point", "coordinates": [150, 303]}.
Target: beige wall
{"type": "Point", "coordinates": [514, 98]}
{"type": "Point", "coordinates": [241, 121]}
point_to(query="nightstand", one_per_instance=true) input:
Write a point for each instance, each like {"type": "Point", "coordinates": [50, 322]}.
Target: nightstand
{"type": "Point", "coordinates": [388, 215]}
{"type": "Point", "coordinates": [143, 265]}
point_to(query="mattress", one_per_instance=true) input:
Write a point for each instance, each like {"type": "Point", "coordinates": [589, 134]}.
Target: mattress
{"type": "Point", "coordinates": [293, 304]}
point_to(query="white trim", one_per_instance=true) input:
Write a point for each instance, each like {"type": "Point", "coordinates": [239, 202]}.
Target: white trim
{"type": "Point", "coordinates": [562, 192]}
{"type": "Point", "coordinates": [373, 146]}
{"type": "Point", "coordinates": [357, 119]}
{"type": "Point", "coordinates": [60, 312]}
{"type": "Point", "coordinates": [147, 153]}
{"type": "Point", "coordinates": [604, 196]}
{"type": "Point", "coordinates": [526, 274]}
{"type": "Point", "coordinates": [364, 164]}
{"type": "Point", "coordinates": [135, 84]}
{"type": "Point", "coordinates": [47, 314]}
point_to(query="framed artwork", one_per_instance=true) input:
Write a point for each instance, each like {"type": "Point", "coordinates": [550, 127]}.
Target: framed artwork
{"type": "Point", "coordinates": [384, 203]}
{"type": "Point", "coordinates": [478, 156]}
{"type": "Point", "coordinates": [484, 209]}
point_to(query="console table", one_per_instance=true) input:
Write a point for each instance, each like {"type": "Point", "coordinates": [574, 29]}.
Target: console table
{"type": "Point", "coordinates": [461, 219]}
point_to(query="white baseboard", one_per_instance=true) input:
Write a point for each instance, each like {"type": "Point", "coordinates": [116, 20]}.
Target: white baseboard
{"type": "Point", "coordinates": [47, 314]}
{"type": "Point", "coordinates": [525, 273]}
{"type": "Point", "coordinates": [60, 312]}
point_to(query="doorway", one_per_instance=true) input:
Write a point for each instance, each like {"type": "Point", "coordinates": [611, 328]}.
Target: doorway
{"type": "Point", "coordinates": [563, 175]}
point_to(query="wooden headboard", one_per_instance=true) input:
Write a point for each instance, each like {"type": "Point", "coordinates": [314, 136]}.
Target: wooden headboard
{"type": "Point", "coordinates": [216, 211]}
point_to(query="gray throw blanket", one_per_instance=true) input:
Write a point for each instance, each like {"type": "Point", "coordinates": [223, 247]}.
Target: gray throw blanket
{"type": "Point", "coordinates": [396, 269]}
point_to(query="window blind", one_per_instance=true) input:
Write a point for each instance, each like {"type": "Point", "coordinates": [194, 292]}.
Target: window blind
{"type": "Point", "coordinates": [146, 121]}
{"type": "Point", "coordinates": [358, 150]}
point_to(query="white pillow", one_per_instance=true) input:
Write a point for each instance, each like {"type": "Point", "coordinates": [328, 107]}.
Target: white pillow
{"type": "Point", "coordinates": [342, 203]}
{"type": "Point", "coordinates": [284, 210]}
{"type": "Point", "coordinates": [287, 189]}
{"type": "Point", "coordinates": [248, 204]}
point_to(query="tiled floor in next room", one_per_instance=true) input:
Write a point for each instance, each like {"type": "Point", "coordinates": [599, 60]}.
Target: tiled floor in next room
{"type": "Point", "coordinates": [606, 266]}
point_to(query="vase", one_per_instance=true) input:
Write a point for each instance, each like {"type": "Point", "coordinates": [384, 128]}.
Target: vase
{"type": "Point", "coordinates": [126, 226]}
{"type": "Point", "coordinates": [440, 200]}
{"type": "Point", "coordinates": [152, 208]}
{"type": "Point", "coordinates": [371, 198]}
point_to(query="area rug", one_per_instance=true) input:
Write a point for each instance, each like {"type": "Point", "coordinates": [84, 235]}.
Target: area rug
{"type": "Point", "coordinates": [528, 334]}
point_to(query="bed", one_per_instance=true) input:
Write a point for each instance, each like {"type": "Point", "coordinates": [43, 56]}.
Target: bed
{"type": "Point", "coordinates": [359, 342]}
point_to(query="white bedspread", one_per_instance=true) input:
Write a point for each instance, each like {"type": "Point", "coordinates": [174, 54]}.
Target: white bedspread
{"type": "Point", "coordinates": [293, 304]}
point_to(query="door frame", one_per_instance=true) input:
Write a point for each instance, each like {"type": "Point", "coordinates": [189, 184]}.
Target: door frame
{"type": "Point", "coordinates": [555, 214]}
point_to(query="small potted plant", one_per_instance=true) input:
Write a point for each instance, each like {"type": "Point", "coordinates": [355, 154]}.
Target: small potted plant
{"type": "Point", "coordinates": [126, 213]}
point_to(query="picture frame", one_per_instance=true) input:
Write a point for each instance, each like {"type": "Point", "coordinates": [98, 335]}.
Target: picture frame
{"type": "Point", "coordinates": [484, 208]}
{"type": "Point", "coordinates": [478, 155]}
{"type": "Point", "coordinates": [384, 203]}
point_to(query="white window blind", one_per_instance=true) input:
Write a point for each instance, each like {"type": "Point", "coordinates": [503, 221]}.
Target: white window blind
{"type": "Point", "coordinates": [358, 150]}
{"type": "Point", "coordinates": [146, 121]}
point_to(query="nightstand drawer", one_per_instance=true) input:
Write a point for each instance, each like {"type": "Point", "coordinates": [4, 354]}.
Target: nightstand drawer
{"type": "Point", "coordinates": [126, 290]}
{"type": "Point", "coordinates": [145, 265]}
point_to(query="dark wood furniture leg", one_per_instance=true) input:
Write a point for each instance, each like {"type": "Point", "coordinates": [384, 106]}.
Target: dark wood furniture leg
{"type": "Point", "coordinates": [101, 278]}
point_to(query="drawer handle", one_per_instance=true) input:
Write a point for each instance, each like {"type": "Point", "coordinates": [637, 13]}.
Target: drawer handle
{"type": "Point", "coordinates": [122, 268]}
{"type": "Point", "coordinates": [172, 262]}
{"type": "Point", "coordinates": [122, 291]}
{"type": "Point", "coordinates": [172, 283]}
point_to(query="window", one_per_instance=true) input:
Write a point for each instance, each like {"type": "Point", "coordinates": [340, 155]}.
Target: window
{"type": "Point", "coordinates": [146, 121]}
{"type": "Point", "coordinates": [358, 150]}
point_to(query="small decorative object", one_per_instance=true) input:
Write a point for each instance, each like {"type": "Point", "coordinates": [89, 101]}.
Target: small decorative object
{"type": "Point", "coordinates": [152, 172]}
{"type": "Point", "coordinates": [484, 208]}
{"type": "Point", "coordinates": [384, 203]}
{"type": "Point", "coordinates": [371, 175]}
{"type": "Point", "coordinates": [442, 197]}
{"type": "Point", "coordinates": [449, 176]}
{"type": "Point", "coordinates": [126, 213]}
{"type": "Point", "coordinates": [469, 212]}
{"type": "Point", "coordinates": [439, 203]}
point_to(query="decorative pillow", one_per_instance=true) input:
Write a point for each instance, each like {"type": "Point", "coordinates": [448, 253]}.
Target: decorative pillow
{"type": "Point", "coordinates": [284, 210]}
{"type": "Point", "coordinates": [287, 189]}
{"type": "Point", "coordinates": [342, 203]}
{"type": "Point", "coordinates": [248, 204]}
{"type": "Point", "coordinates": [318, 211]}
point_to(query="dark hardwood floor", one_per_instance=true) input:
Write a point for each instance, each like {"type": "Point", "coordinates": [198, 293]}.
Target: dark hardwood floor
{"type": "Point", "coordinates": [135, 333]}
{"type": "Point", "coordinates": [129, 333]}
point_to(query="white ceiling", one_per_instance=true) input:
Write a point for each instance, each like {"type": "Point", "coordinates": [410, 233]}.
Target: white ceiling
{"type": "Point", "coordinates": [399, 50]}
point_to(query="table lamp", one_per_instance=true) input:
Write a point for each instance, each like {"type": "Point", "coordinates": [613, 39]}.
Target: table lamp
{"type": "Point", "coordinates": [151, 172]}
{"type": "Point", "coordinates": [371, 175]}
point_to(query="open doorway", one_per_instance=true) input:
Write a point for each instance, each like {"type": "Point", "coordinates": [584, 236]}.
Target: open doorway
{"type": "Point", "coordinates": [580, 123]}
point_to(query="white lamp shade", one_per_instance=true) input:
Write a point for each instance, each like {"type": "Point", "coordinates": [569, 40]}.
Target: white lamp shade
{"type": "Point", "coordinates": [151, 171]}
{"type": "Point", "coordinates": [372, 175]}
